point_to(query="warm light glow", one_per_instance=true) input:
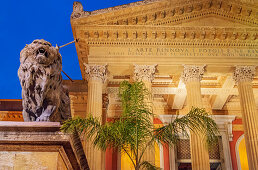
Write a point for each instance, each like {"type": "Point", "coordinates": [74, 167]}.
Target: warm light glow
{"type": "Point", "coordinates": [157, 155]}
{"type": "Point", "coordinates": [126, 163]}
{"type": "Point", "coordinates": [243, 155]}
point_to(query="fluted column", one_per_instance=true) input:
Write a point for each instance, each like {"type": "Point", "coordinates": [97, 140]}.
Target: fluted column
{"type": "Point", "coordinates": [192, 76]}
{"type": "Point", "coordinates": [243, 76]}
{"type": "Point", "coordinates": [96, 76]}
{"type": "Point", "coordinates": [145, 73]}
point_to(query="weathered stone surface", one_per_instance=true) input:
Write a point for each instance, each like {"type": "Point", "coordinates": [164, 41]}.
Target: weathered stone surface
{"type": "Point", "coordinates": [44, 97]}
{"type": "Point", "coordinates": [39, 145]}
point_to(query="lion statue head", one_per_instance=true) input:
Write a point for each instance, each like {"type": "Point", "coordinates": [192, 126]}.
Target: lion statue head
{"type": "Point", "coordinates": [44, 97]}
{"type": "Point", "coordinates": [41, 52]}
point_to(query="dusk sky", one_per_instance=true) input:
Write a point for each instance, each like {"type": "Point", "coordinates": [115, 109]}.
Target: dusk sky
{"type": "Point", "coordinates": [22, 21]}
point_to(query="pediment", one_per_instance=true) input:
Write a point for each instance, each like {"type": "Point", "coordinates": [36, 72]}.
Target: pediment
{"type": "Point", "coordinates": [211, 21]}
{"type": "Point", "coordinates": [164, 12]}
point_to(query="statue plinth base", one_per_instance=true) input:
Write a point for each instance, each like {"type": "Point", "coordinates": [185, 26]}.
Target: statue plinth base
{"type": "Point", "coordinates": [38, 145]}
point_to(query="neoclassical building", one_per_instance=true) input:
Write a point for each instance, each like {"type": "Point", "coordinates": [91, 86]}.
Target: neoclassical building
{"type": "Point", "coordinates": [200, 53]}
{"type": "Point", "coordinates": [188, 53]}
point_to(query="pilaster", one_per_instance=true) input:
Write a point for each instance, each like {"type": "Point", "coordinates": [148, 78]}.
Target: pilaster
{"type": "Point", "coordinates": [192, 76]}
{"type": "Point", "coordinates": [243, 77]}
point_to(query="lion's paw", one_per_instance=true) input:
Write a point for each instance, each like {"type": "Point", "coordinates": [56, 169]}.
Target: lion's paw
{"type": "Point", "coordinates": [43, 119]}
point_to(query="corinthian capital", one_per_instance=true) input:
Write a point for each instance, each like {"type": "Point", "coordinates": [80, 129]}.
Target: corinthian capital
{"type": "Point", "coordinates": [192, 73]}
{"type": "Point", "coordinates": [144, 72]}
{"type": "Point", "coordinates": [244, 73]}
{"type": "Point", "coordinates": [94, 71]}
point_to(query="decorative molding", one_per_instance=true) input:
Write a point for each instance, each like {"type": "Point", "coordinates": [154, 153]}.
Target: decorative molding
{"type": "Point", "coordinates": [225, 122]}
{"type": "Point", "coordinates": [11, 116]}
{"type": "Point", "coordinates": [144, 72]}
{"type": "Point", "coordinates": [192, 73]}
{"type": "Point", "coordinates": [107, 34]}
{"type": "Point", "coordinates": [244, 73]}
{"type": "Point", "coordinates": [94, 71]}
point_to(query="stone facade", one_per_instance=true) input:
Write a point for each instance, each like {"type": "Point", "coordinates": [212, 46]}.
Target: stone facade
{"type": "Point", "coordinates": [187, 53]}
{"type": "Point", "coordinates": [39, 145]}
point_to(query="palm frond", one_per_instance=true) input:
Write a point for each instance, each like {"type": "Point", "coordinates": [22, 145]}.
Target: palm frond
{"type": "Point", "coordinates": [197, 120]}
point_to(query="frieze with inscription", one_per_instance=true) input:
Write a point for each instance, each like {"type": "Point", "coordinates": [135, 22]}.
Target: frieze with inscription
{"type": "Point", "coordinates": [177, 52]}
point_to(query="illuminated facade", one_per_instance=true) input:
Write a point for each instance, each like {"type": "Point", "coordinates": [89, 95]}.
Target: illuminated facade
{"type": "Point", "coordinates": [188, 53]}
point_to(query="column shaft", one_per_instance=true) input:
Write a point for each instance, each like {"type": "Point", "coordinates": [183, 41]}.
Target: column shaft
{"type": "Point", "coordinates": [145, 73]}
{"type": "Point", "coordinates": [149, 154]}
{"type": "Point", "coordinates": [199, 152]}
{"type": "Point", "coordinates": [243, 77]}
{"type": "Point", "coordinates": [94, 107]}
{"type": "Point", "coordinates": [192, 76]}
{"type": "Point", "coordinates": [250, 122]}
{"type": "Point", "coordinates": [194, 98]}
{"type": "Point", "coordinates": [96, 76]}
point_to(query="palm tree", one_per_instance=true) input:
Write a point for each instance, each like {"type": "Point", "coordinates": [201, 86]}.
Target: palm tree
{"type": "Point", "coordinates": [133, 133]}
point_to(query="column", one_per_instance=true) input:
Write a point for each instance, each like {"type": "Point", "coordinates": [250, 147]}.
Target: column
{"type": "Point", "coordinates": [192, 76]}
{"type": "Point", "coordinates": [172, 158]}
{"type": "Point", "coordinates": [96, 76]}
{"type": "Point", "coordinates": [243, 77]}
{"type": "Point", "coordinates": [145, 73]}
{"type": "Point", "coordinates": [226, 150]}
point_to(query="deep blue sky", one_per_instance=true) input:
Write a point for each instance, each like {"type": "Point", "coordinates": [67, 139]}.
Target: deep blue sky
{"type": "Point", "coordinates": [22, 21]}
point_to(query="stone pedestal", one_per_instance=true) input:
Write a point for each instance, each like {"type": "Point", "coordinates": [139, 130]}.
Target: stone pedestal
{"type": "Point", "coordinates": [145, 73]}
{"type": "Point", "coordinates": [243, 76]}
{"type": "Point", "coordinates": [96, 76]}
{"type": "Point", "coordinates": [39, 145]}
{"type": "Point", "coordinates": [199, 152]}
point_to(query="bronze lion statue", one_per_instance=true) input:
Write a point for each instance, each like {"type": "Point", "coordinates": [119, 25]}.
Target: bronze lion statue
{"type": "Point", "coordinates": [43, 96]}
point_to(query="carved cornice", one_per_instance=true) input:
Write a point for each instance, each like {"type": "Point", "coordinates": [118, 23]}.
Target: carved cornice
{"type": "Point", "coordinates": [244, 73]}
{"type": "Point", "coordinates": [96, 72]}
{"type": "Point", "coordinates": [144, 72]}
{"type": "Point", "coordinates": [192, 73]}
{"type": "Point", "coordinates": [163, 13]}
{"type": "Point", "coordinates": [163, 35]}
